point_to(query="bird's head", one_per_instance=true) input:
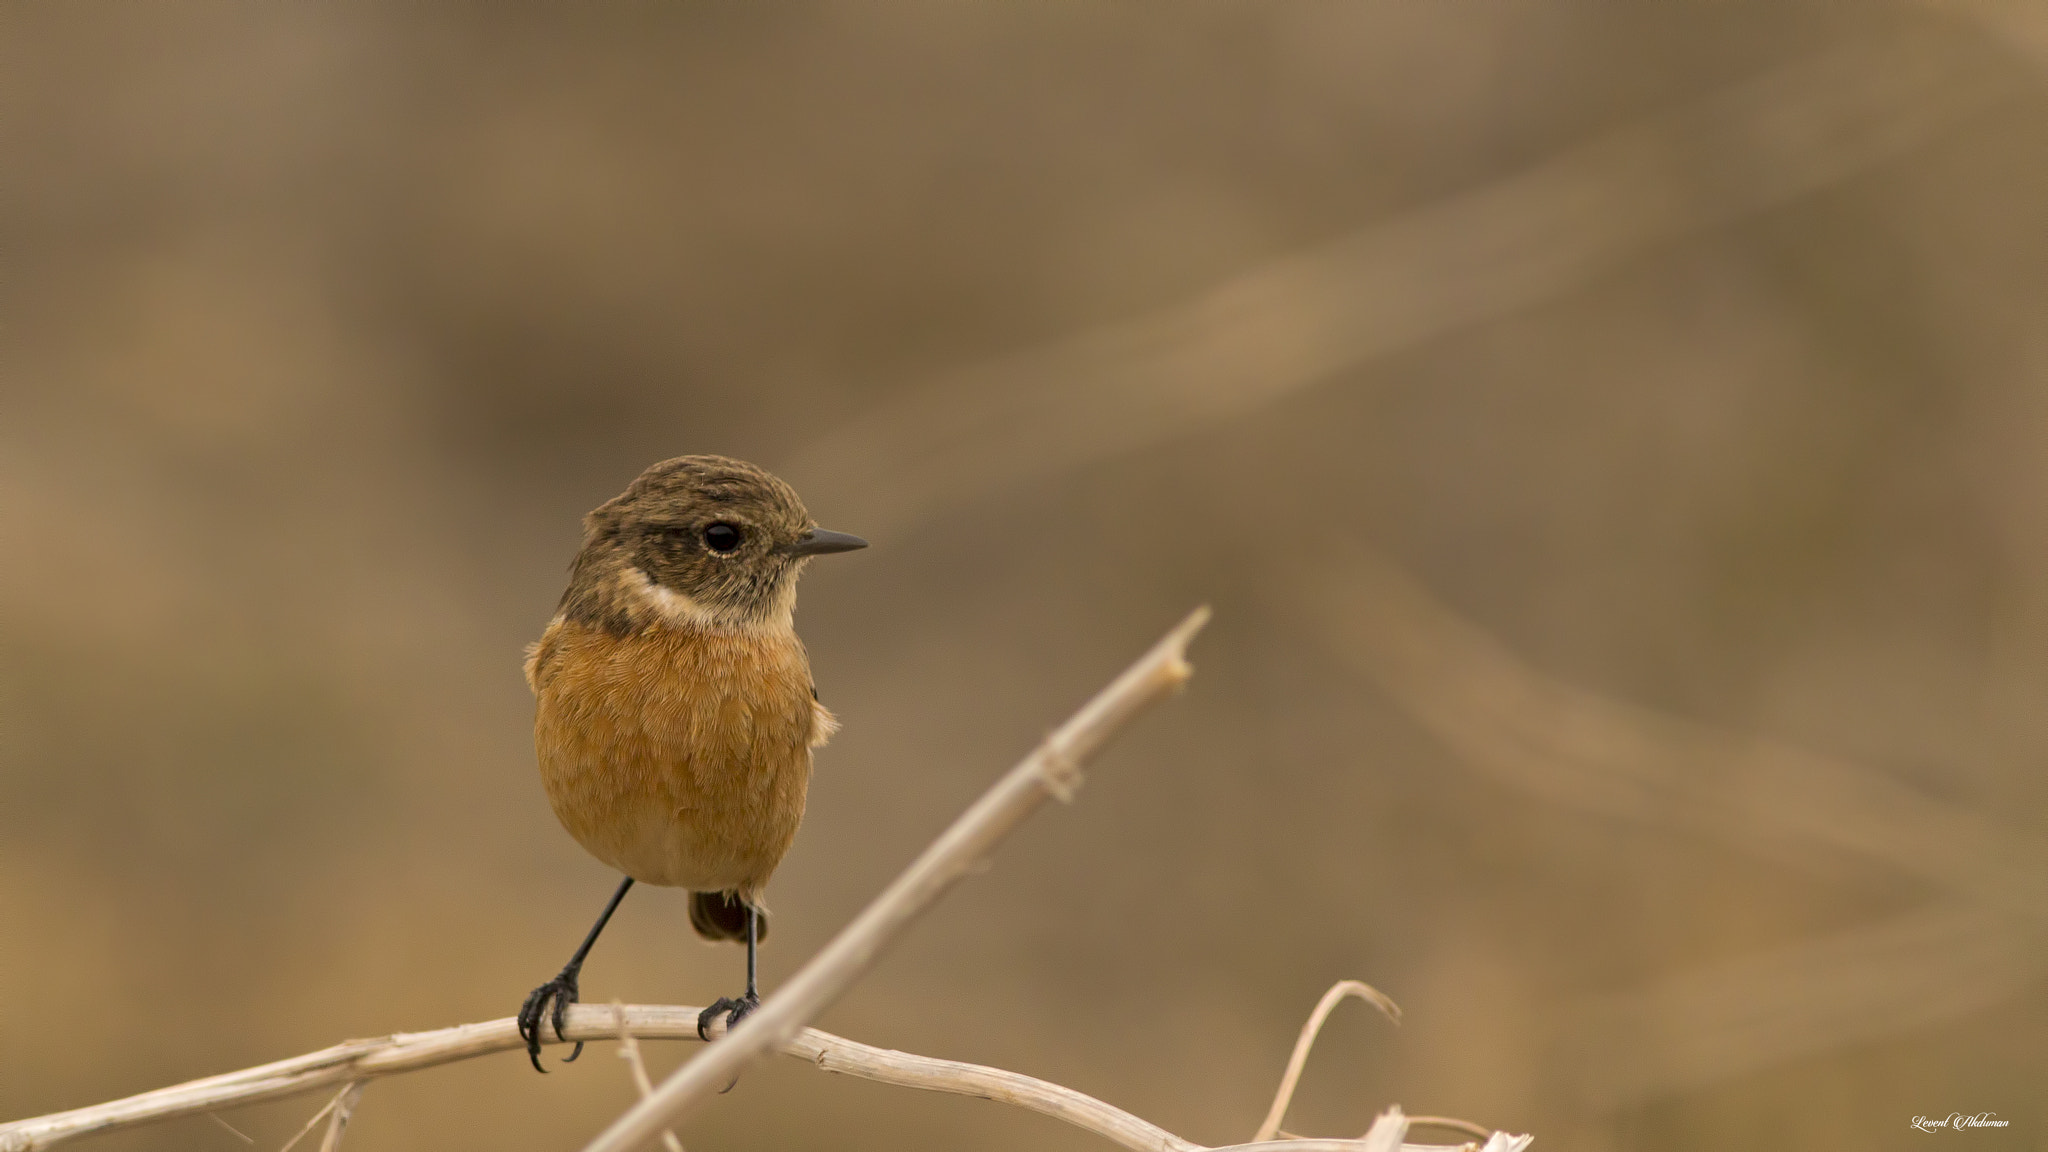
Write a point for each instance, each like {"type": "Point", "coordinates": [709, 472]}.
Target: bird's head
{"type": "Point", "coordinates": [699, 541]}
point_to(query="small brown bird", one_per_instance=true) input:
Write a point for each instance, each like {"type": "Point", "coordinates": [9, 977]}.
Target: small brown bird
{"type": "Point", "coordinates": [676, 710]}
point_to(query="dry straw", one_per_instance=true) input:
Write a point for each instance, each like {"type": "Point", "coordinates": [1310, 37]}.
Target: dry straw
{"type": "Point", "coordinates": [1052, 771]}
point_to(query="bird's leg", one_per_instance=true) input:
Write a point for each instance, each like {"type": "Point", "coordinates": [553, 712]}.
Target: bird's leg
{"type": "Point", "coordinates": [753, 996]}
{"type": "Point", "coordinates": [561, 991]}
{"type": "Point", "coordinates": [735, 1010]}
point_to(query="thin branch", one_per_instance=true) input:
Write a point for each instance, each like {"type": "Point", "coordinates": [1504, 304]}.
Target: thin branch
{"type": "Point", "coordinates": [337, 1121]}
{"type": "Point", "coordinates": [244, 1137]}
{"type": "Point", "coordinates": [1052, 769]}
{"type": "Point", "coordinates": [362, 1060]}
{"type": "Point", "coordinates": [1307, 1040]}
{"type": "Point", "coordinates": [847, 1057]}
{"type": "Point", "coordinates": [313, 1121]}
{"type": "Point", "coordinates": [629, 1051]}
{"type": "Point", "coordinates": [1451, 1122]}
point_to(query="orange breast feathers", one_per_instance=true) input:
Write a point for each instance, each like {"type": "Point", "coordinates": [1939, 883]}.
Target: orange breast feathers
{"type": "Point", "coordinates": [677, 757]}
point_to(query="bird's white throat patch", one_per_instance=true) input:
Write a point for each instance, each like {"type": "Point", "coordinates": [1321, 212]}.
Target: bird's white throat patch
{"type": "Point", "coordinates": [680, 610]}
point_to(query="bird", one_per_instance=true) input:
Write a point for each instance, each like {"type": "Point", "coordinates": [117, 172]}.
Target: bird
{"type": "Point", "coordinates": [675, 713]}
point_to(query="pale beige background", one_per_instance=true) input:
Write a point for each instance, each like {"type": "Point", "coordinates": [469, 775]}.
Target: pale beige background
{"type": "Point", "coordinates": [1668, 385]}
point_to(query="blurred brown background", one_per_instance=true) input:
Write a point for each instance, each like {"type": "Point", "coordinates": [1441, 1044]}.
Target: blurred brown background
{"type": "Point", "coordinates": [1614, 439]}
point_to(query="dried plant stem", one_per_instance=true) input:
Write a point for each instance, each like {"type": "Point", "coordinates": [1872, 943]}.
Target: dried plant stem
{"type": "Point", "coordinates": [1451, 1122]}
{"type": "Point", "coordinates": [244, 1137]}
{"type": "Point", "coordinates": [1307, 1040]}
{"type": "Point", "coordinates": [361, 1060]}
{"type": "Point", "coordinates": [337, 1121]}
{"type": "Point", "coordinates": [835, 1054]}
{"type": "Point", "coordinates": [1053, 769]}
{"type": "Point", "coordinates": [629, 1051]}
{"type": "Point", "coordinates": [311, 1122]}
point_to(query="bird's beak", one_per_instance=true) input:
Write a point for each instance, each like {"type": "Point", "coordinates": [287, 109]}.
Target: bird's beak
{"type": "Point", "coordinates": [819, 541]}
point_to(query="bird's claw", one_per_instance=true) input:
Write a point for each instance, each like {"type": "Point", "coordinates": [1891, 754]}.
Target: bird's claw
{"type": "Point", "coordinates": [560, 993]}
{"type": "Point", "coordinates": [733, 1010]}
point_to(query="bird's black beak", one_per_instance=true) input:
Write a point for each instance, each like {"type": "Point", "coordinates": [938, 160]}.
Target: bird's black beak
{"type": "Point", "coordinates": [819, 541]}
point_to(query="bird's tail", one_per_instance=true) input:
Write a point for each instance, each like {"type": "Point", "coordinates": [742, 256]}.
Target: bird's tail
{"type": "Point", "coordinates": [723, 916]}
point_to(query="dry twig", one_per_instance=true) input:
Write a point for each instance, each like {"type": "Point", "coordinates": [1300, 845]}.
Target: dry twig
{"type": "Point", "coordinates": [244, 1137]}
{"type": "Point", "coordinates": [311, 1122]}
{"type": "Point", "coordinates": [1307, 1040]}
{"type": "Point", "coordinates": [344, 1108]}
{"type": "Point", "coordinates": [362, 1060]}
{"type": "Point", "coordinates": [1052, 769]}
{"type": "Point", "coordinates": [629, 1051]}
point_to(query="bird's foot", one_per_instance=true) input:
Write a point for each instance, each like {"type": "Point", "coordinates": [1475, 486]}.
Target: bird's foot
{"type": "Point", "coordinates": [560, 993]}
{"type": "Point", "coordinates": [733, 1010]}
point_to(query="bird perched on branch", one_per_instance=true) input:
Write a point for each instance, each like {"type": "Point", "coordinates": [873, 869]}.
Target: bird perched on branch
{"type": "Point", "coordinates": [676, 712]}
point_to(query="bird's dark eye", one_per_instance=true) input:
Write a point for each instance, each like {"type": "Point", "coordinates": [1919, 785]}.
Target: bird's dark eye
{"type": "Point", "coordinates": [722, 537]}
